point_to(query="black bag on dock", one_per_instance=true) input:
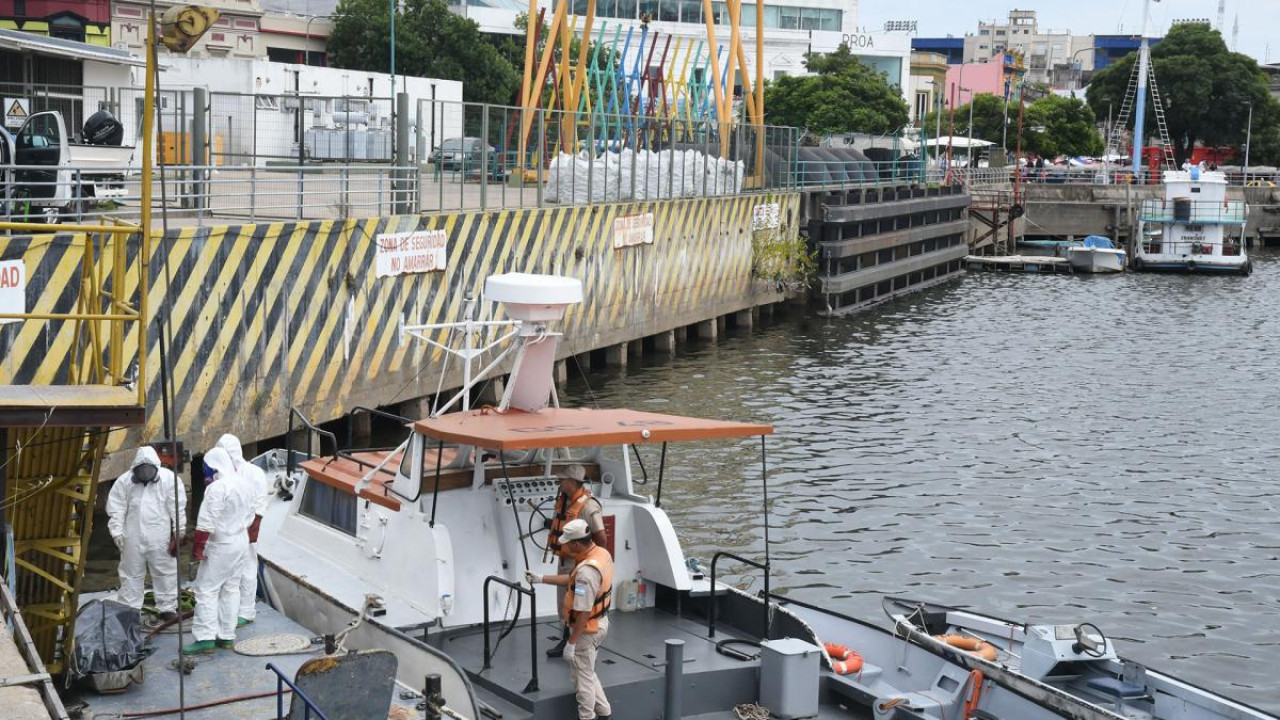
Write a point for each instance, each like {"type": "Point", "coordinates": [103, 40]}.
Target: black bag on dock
{"type": "Point", "coordinates": [109, 638]}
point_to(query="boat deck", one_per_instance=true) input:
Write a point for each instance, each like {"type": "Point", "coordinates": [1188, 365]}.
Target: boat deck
{"type": "Point", "coordinates": [225, 674]}
{"type": "Point", "coordinates": [631, 668]}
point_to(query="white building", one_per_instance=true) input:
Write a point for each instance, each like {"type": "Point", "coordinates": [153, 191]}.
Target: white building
{"type": "Point", "coordinates": [1052, 57]}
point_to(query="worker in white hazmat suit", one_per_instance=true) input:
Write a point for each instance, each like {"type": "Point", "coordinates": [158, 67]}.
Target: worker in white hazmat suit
{"type": "Point", "coordinates": [221, 545]}
{"type": "Point", "coordinates": [145, 523]}
{"type": "Point", "coordinates": [262, 493]}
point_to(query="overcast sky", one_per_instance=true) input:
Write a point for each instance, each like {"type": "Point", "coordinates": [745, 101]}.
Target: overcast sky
{"type": "Point", "coordinates": [1259, 19]}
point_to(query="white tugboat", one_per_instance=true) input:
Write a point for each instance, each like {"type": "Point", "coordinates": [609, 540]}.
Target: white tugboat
{"type": "Point", "coordinates": [1194, 228]}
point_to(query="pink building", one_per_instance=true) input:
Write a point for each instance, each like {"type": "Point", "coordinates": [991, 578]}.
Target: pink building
{"type": "Point", "coordinates": [1000, 76]}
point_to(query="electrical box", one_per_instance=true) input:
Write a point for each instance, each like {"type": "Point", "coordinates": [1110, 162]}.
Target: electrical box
{"type": "Point", "coordinates": [789, 671]}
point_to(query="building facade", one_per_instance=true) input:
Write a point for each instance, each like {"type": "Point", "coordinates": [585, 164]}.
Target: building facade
{"type": "Point", "coordinates": [928, 84]}
{"type": "Point", "coordinates": [86, 21]}
{"type": "Point", "coordinates": [1001, 75]}
{"type": "Point", "coordinates": [237, 33]}
{"type": "Point", "coordinates": [1053, 58]}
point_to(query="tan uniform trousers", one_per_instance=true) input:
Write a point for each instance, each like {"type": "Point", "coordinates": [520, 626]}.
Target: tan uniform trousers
{"type": "Point", "coordinates": [589, 692]}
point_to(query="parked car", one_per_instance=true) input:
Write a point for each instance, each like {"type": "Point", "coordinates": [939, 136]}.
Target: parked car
{"type": "Point", "coordinates": [458, 154]}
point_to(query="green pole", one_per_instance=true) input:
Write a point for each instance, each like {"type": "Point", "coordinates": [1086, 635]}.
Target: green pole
{"type": "Point", "coordinates": [392, 5]}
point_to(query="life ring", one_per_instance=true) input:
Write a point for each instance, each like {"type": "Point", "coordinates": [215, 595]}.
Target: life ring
{"type": "Point", "coordinates": [843, 660]}
{"type": "Point", "coordinates": [973, 646]}
{"type": "Point", "coordinates": [1191, 265]}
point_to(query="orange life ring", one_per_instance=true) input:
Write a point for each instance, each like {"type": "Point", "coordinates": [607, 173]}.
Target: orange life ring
{"type": "Point", "coordinates": [974, 694]}
{"type": "Point", "coordinates": [843, 660]}
{"type": "Point", "coordinates": [973, 646]}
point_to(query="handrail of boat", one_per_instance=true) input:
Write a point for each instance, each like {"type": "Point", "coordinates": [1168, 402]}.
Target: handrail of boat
{"type": "Point", "coordinates": [294, 411]}
{"type": "Point", "coordinates": [711, 610]}
{"type": "Point", "coordinates": [533, 626]}
{"type": "Point", "coordinates": [374, 412]}
{"type": "Point", "coordinates": [307, 706]}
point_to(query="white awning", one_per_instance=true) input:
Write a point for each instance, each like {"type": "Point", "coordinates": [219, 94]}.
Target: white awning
{"type": "Point", "coordinates": [58, 47]}
{"type": "Point", "coordinates": [960, 142]}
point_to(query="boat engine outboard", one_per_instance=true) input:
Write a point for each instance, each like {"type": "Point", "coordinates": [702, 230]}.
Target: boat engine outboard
{"type": "Point", "coordinates": [102, 128]}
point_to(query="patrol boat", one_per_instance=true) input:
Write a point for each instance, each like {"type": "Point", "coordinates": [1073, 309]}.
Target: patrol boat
{"type": "Point", "coordinates": [429, 542]}
{"type": "Point", "coordinates": [1194, 227]}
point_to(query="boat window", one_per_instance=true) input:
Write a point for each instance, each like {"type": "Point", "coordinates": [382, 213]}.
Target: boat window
{"type": "Point", "coordinates": [330, 506]}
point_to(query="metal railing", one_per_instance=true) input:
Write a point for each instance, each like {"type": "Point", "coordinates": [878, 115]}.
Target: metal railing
{"type": "Point", "coordinates": [312, 433]}
{"type": "Point", "coordinates": [711, 610]}
{"type": "Point", "coordinates": [309, 708]}
{"type": "Point", "coordinates": [1195, 212]}
{"type": "Point", "coordinates": [533, 626]}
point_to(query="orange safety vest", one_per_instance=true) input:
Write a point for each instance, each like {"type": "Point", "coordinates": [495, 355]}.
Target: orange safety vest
{"type": "Point", "coordinates": [567, 508]}
{"type": "Point", "coordinates": [600, 559]}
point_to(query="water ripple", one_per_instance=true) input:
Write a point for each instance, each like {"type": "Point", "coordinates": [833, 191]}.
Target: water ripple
{"type": "Point", "coordinates": [1049, 448]}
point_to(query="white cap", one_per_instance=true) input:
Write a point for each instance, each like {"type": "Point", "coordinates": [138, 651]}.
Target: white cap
{"type": "Point", "coordinates": [575, 529]}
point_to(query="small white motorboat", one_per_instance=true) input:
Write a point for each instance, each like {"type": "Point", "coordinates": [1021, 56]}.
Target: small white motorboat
{"type": "Point", "coordinates": [1096, 255]}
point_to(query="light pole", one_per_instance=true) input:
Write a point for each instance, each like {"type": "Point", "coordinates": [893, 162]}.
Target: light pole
{"type": "Point", "coordinates": [1078, 72]}
{"type": "Point", "coordinates": [307, 40]}
{"type": "Point", "coordinates": [969, 155]}
{"type": "Point", "coordinates": [1248, 138]}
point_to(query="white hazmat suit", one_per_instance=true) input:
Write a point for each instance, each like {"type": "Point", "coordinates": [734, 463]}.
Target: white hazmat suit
{"type": "Point", "coordinates": [222, 529]}
{"type": "Point", "coordinates": [262, 489]}
{"type": "Point", "coordinates": [141, 520]}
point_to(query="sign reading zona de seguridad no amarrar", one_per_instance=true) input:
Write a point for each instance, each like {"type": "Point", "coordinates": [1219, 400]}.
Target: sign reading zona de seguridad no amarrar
{"type": "Point", "coordinates": [420, 251]}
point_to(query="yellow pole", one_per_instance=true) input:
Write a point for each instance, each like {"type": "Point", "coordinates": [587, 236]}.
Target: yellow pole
{"type": "Point", "coordinates": [710, 18]}
{"type": "Point", "coordinates": [530, 35]}
{"type": "Point", "coordinates": [144, 245]}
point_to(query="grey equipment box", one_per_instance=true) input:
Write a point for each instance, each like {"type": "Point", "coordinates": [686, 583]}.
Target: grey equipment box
{"type": "Point", "coordinates": [789, 671]}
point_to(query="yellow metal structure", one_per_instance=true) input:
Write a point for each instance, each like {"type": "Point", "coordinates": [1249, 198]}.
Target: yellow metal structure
{"type": "Point", "coordinates": [52, 437]}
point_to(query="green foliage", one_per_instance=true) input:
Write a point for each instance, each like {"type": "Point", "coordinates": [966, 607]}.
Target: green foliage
{"type": "Point", "coordinates": [843, 95]}
{"type": "Point", "coordinates": [1206, 90]}
{"type": "Point", "coordinates": [1070, 128]}
{"type": "Point", "coordinates": [781, 256]}
{"type": "Point", "coordinates": [431, 41]}
{"type": "Point", "coordinates": [988, 119]}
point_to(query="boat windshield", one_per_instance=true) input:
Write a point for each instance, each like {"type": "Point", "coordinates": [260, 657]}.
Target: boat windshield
{"type": "Point", "coordinates": [577, 427]}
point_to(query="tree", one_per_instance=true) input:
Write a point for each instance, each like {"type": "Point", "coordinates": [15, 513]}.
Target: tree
{"type": "Point", "coordinates": [1069, 128]}
{"type": "Point", "coordinates": [988, 119]}
{"type": "Point", "coordinates": [842, 95]}
{"type": "Point", "coordinates": [431, 41]}
{"type": "Point", "coordinates": [1206, 90]}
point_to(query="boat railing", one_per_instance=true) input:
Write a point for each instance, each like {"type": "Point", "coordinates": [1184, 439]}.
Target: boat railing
{"type": "Point", "coordinates": [1230, 248]}
{"type": "Point", "coordinates": [1195, 212]}
{"type": "Point", "coordinates": [533, 626]}
{"type": "Point", "coordinates": [711, 611]}
{"type": "Point", "coordinates": [312, 433]}
{"type": "Point", "coordinates": [372, 412]}
{"type": "Point", "coordinates": [309, 709]}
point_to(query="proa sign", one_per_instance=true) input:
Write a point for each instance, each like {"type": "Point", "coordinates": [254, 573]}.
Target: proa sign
{"type": "Point", "coordinates": [858, 40]}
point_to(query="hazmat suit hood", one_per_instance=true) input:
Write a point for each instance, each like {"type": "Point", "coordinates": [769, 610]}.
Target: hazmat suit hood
{"type": "Point", "coordinates": [231, 444]}
{"type": "Point", "coordinates": [219, 460]}
{"type": "Point", "coordinates": [146, 455]}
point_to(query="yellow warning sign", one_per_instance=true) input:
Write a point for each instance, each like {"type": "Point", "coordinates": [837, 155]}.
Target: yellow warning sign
{"type": "Point", "coordinates": [16, 111]}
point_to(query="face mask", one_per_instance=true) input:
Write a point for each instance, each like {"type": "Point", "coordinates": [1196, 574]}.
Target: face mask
{"type": "Point", "coordinates": [209, 474]}
{"type": "Point", "coordinates": [145, 473]}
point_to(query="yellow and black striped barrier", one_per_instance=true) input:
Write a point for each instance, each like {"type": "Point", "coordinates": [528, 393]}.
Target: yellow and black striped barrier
{"type": "Point", "coordinates": [268, 315]}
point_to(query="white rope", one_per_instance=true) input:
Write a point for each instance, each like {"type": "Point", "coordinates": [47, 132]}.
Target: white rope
{"type": "Point", "coordinates": [751, 711]}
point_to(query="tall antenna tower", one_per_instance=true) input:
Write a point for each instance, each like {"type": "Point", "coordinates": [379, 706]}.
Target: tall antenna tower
{"type": "Point", "coordinates": [1235, 33]}
{"type": "Point", "coordinates": [1222, 16]}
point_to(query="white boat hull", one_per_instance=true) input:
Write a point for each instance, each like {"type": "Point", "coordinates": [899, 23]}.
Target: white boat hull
{"type": "Point", "coordinates": [1095, 260]}
{"type": "Point", "coordinates": [1208, 264]}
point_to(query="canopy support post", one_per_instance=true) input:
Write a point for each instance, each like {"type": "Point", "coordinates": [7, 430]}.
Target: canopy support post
{"type": "Point", "coordinates": [435, 492]}
{"type": "Point", "coordinates": [764, 482]}
{"type": "Point", "coordinates": [662, 466]}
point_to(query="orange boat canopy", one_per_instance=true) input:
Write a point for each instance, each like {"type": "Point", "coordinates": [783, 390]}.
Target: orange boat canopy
{"type": "Point", "coordinates": [576, 427]}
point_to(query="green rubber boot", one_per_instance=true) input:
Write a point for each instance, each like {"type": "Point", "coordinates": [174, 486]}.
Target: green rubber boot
{"type": "Point", "coordinates": [241, 622]}
{"type": "Point", "coordinates": [199, 647]}
{"type": "Point", "coordinates": [226, 644]}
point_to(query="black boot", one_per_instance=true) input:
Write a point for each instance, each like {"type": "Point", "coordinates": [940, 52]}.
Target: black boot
{"type": "Point", "coordinates": [558, 650]}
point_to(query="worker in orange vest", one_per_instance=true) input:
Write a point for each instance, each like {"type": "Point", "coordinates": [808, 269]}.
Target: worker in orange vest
{"type": "Point", "coordinates": [575, 501]}
{"type": "Point", "coordinates": [585, 612]}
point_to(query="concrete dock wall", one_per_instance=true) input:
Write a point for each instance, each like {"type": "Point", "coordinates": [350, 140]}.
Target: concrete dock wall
{"type": "Point", "coordinates": [269, 315]}
{"type": "Point", "coordinates": [1080, 210]}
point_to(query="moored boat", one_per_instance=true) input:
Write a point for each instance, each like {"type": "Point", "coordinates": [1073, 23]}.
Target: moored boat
{"type": "Point", "coordinates": [428, 542]}
{"type": "Point", "coordinates": [1096, 255]}
{"type": "Point", "coordinates": [1194, 228]}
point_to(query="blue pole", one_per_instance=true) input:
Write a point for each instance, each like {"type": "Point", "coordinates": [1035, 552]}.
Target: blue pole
{"type": "Point", "coordinates": [1144, 70]}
